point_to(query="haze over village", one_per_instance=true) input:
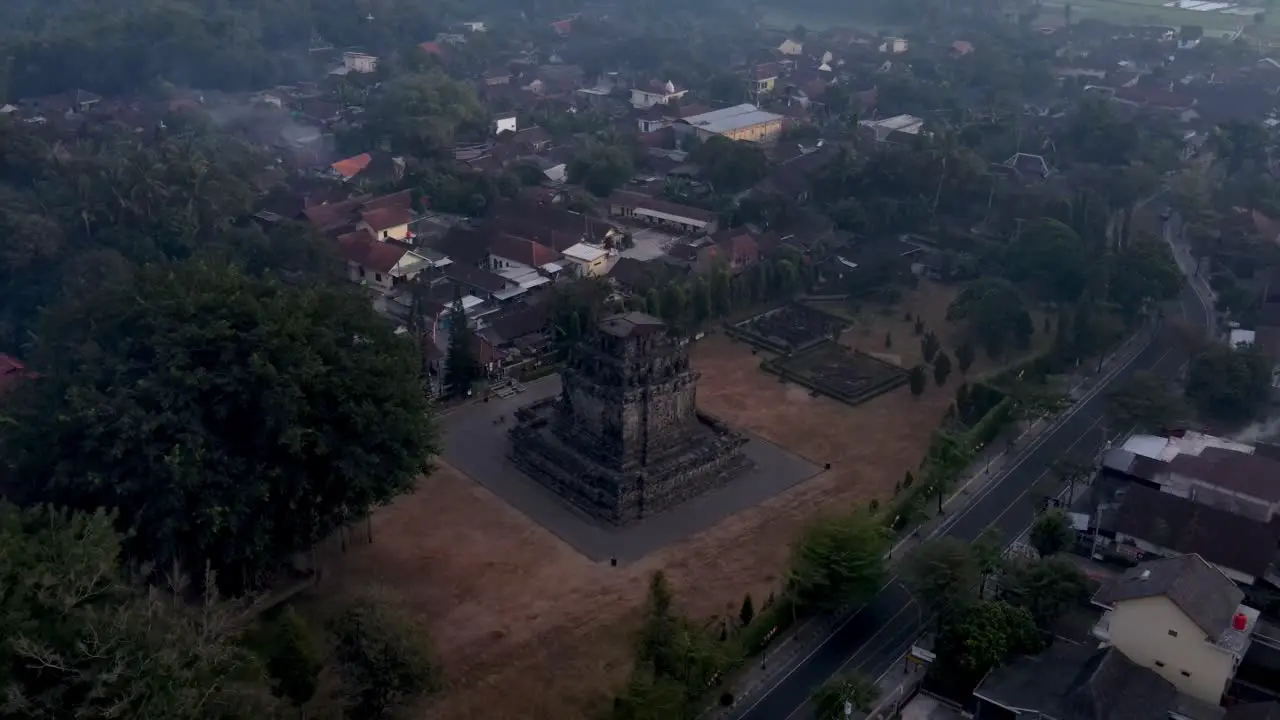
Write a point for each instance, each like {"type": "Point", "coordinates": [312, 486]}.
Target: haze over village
{"type": "Point", "coordinates": [564, 360]}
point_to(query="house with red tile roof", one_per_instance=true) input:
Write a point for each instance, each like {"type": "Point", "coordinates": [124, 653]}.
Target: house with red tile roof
{"type": "Point", "coordinates": [350, 167]}
{"type": "Point", "coordinates": [380, 264]}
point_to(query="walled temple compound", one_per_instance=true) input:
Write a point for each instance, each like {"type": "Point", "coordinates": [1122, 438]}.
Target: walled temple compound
{"type": "Point", "coordinates": [624, 440]}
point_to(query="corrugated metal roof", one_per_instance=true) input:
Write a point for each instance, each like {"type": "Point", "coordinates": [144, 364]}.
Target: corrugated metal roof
{"type": "Point", "coordinates": [731, 118]}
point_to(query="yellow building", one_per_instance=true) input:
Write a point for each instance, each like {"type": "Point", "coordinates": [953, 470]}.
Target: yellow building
{"type": "Point", "coordinates": [744, 122]}
{"type": "Point", "coordinates": [1182, 619]}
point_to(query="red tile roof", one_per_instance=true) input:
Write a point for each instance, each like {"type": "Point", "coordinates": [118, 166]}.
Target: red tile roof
{"type": "Point", "coordinates": [432, 48]}
{"type": "Point", "coordinates": [363, 249]}
{"type": "Point", "coordinates": [765, 71]}
{"type": "Point", "coordinates": [402, 199]}
{"type": "Point", "coordinates": [332, 216]}
{"type": "Point", "coordinates": [352, 166]}
{"type": "Point", "coordinates": [386, 218]}
{"type": "Point", "coordinates": [521, 250]}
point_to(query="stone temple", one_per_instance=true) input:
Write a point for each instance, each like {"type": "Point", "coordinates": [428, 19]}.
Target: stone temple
{"type": "Point", "coordinates": [624, 440]}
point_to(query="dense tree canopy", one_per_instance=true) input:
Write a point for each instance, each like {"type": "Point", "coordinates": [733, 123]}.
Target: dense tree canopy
{"type": "Point", "coordinates": [230, 420]}
{"type": "Point", "coordinates": [1048, 256]}
{"type": "Point", "coordinates": [74, 217]}
{"type": "Point", "coordinates": [1229, 383]}
{"type": "Point", "coordinates": [1144, 402]}
{"type": "Point", "coordinates": [78, 640]}
{"type": "Point", "coordinates": [421, 114]}
{"type": "Point", "coordinates": [838, 560]}
{"type": "Point", "coordinates": [994, 312]}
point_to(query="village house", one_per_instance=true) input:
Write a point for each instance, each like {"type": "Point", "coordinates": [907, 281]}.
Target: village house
{"type": "Point", "coordinates": [505, 122]}
{"type": "Point", "coordinates": [1212, 471]}
{"type": "Point", "coordinates": [1182, 619]}
{"type": "Point", "coordinates": [586, 260]}
{"type": "Point", "coordinates": [893, 45]}
{"type": "Point", "coordinates": [380, 264]}
{"type": "Point", "coordinates": [1159, 524]}
{"type": "Point", "coordinates": [765, 78]}
{"type": "Point", "coordinates": [658, 117]}
{"type": "Point", "coordinates": [737, 250]}
{"type": "Point", "coordinates": [745, 122]}
{"type": "Point", "coordinates": [359, 62]}
{"type": "Point", "coordinates": [653, 211]}
{"type": "Point", "coordinates": [656, 93]}
{"type": "Point", "coordinates": [791, 46]}
{"type": "Point", "coordinates": [888, 129]}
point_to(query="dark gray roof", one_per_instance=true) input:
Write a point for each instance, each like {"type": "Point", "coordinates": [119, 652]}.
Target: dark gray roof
{"type": "Point", "coordinates": [1254, 711]}
{"type": "Point", "coordinates": [1077, 682]}
{"type": "Point", "coordinates": [1199, 589]}
{"type": "Point", "coordinates": [632, 323]}
{"type": "Point", "coordinates": [1223, 538]}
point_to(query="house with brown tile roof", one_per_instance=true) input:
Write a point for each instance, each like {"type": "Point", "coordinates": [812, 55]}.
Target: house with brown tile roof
{"type": "Point", "coordinates": [380, 264]}
{"type": "Point", "coordinates": [654, 211]}
{"type": "Point", "coordinates": [507, 251]}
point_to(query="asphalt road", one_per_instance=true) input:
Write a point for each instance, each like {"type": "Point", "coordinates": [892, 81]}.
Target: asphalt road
{"type": "Point", "coordinates": [878, 634]}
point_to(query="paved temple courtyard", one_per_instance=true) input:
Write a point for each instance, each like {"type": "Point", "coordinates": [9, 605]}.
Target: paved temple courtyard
{"type": "Point", "coordinates": [474, 443]}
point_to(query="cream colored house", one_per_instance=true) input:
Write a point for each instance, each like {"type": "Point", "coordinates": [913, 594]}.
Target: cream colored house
{"type": "Point", "coordinates": [1181, 618]}
{"type": "Point", "coordinates": [359, 62]}
{"type": "Point", "coordinates": [587, 260]}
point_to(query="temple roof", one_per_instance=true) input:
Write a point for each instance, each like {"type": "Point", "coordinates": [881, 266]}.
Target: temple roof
{"type": "Point", "coordinates": [631, 324]}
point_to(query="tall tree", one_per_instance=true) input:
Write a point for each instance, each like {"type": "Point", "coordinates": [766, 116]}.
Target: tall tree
{"type": "Point", "coordinates": [461, 367]}
{"type": "Point", "coordinates": [1229, 383]}
{"type": "Point", "coordinates": [838, 560]}
{"type": "Point", "coordinates": [1144, 402]}
{"type": "Point", "coordinates": [993, 310]}
{"type": "Point", "coordinates": [81, 642]}
{"type": "Point", "coordinates": [382, 655]}
{"type": "Point", "coordinates": [982, 636]}
{"type": "Point", "coordinates": [293, 658]}
{"type": "Point", "coordinates": [1045, 588]}
{"type": "Point", "coordinates": [249, 418]}
{"type": "Point", "coordinates": [964, 355]}
{"type": "Point", "coordinates": [1051, 533]}
{"type": "Point", "coordinates": [942, 575]}
{"type": "Point", "coordinates": [916, 379]}
{"type": "Point", "coordinates": [941, 368]}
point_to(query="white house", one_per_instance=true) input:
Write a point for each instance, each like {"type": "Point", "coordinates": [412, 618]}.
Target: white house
{"type": "Point", "coordinates": [505, 122]}
{"type": "Point", "coordinates": [359, 62]}
{"type": "Point", "coordinates": [475, 26]}
{"type": "Point", "coordinates": [656, 93]}
{"type": "Point", "coordinates": [791, 47]}
{"type": "Point", "coordinates": [893, 45]}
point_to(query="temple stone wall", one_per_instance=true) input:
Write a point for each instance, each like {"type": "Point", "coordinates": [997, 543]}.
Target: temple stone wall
{"type": "Point", "coordinates": [624, 439]}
